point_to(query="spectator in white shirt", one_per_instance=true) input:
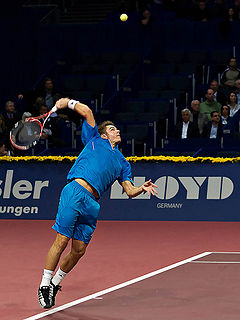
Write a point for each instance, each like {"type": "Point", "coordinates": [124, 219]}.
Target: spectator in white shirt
{"type": "Point", "coordinates": [186, 128]}
{"type": "Point", "coordinates": [225, 114]}
{"type": "Point", "coordinates": [232, 103]}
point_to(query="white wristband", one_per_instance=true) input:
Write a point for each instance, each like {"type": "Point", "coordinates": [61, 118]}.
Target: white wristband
{"type": "Point", "coordinates": [71, 104]}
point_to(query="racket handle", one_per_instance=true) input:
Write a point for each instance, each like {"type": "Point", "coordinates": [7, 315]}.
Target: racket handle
{"type": "Point", "coordinates": [54, 109]}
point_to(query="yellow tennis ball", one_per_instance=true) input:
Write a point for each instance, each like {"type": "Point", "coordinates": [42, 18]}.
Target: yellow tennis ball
{"type": "Point", "coordinates": [123, 17]}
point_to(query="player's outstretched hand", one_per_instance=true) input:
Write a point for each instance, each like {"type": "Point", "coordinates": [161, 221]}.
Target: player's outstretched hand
{"type": "Point", "coordinates": [148, 186]}
{"type": "Point", "coordinates": [62, 103]}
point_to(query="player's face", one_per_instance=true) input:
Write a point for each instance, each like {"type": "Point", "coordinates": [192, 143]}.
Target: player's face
{"type": "Point", "coordinates": [113, 134]}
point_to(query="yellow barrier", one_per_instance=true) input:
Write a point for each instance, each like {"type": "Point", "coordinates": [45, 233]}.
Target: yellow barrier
{"type": "Point", "coordinates": [130, 159]}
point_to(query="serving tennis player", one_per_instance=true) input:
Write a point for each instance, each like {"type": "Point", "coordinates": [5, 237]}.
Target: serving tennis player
{"type": "Point", "coordinates": [99, 164]}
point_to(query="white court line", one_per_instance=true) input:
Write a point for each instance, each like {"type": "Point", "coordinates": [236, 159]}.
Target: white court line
{"type": "Point", "coordinates": [119, 286]}
{"type": "Point", "coordinates": [227, 252]}
{"type": "Point", "coordinates": [202, 261]}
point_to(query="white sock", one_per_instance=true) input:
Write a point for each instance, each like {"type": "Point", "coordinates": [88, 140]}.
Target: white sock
{"type": "Point", "coordinates": [46, 278]}
{"type": "Point", "coordinates": [59, 276]}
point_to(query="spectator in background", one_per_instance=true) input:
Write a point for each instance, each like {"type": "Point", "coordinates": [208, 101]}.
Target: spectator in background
{"type": "Point", "coordinates": [3, 129]}
{"type": "Point", "coordinates": [236, 8]}
{"type": "Point", "coordinates": [232, 103]}
{"type": "Point", "coordinates": [201, 12]}
{"type": "Point", "coordinates": [47, 92]}
{"type": "Point", "coordinates": [225, 114]}
{"type": "Point", "coordinates": [50, 130]}
{"type": "Point", "coordinates": [225, 25]}
{"type": "Point", "coordinates": [198, 118]}
{"type": "Point", "coordinates": [213, 129]}
{"type": "Point", "coordinates": [186, 128]}
{"type": "Point", "coordinates": [231, 15]}
{"type": "Point", "coordinates": [146, 20]}
{"type": "Point", "coordinates": [219, 96]}
{"type": "Point", "coordinates": [47, 130]}
{"type": "Point", "coordinates": [3, 151]}
{"type": "Point", "coordinates": [219, 9]}
{"type": "Point", "coordinates": [230, 75]}
{"type": "Point", "coordinates": [8, 118]}
{"type": "Point", "coordinates": [209, 104]}
{"type": "Point", "coordinates": [3, 137]}
{"type": "Point", "coordinates": [237, 85]}
{"type": "Point", "coordinates": [37, 105]}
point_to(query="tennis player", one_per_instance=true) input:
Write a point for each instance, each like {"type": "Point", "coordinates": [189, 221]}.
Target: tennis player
{"type": "Point", "coordinates": [99, 164]}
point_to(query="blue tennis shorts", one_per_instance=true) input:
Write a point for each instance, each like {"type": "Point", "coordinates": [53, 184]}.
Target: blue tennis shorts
{"type": "Point", "coordinates": [77, 213]}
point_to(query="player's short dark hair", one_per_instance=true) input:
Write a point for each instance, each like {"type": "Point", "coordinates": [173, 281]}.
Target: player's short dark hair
{"type": "Point", "coordinates": [102, 126]}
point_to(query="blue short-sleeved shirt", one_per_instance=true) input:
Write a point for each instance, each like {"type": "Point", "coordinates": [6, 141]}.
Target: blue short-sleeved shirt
{"type": "Point", "coordinates": [98, 163]}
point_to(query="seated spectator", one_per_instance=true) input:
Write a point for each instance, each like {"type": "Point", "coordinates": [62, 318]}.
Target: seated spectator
{"type": "Point", "coordinates": [3, 129]}
{"type": "Point", "coordinates": [219, 9]}
{"type": "Point", "coordinates": [225, 25]}
{"type": "Point", "coordinates": [213, 129]}
{"type": "Point", "coordinates": [37, 105]}
{"type": "Point", "coordinates": [146, 20]}
{"type": "Point", "coordinates": [198, 118]}
{"type": "Point", "coordinates": [225, 114]}
{"type": "Point", "coordinates": [209, 104]}
{"type": "Point", "coordinates": [50, 130]}
{"type": "Point", "coordinates": [232, 103]}
{"type": "Point", "coordinates": [186, 128]}
{"type": "Point", "coordinates": [9, 117]}
{"type": "Point", "coordinates": [219, 96]}
{"type": "Point", "coordinates": [236, 8]}
{"type": "Point", "coordinates": [3, 151]}
{"type": "Point", "coordinates": [201, 12]}
{"type": "Point", "coordinates": [231, 15]}
{"type": "Point", "coordinates": [3, 137]}
{"type": "Point", "coordinates": [237, 85]}
{"type": "Point", "coordinates": [230, 75]}
{"type": "Point", "coordinates": [47, 130]}
{"type": "Point", "coordinates": [47, 92]}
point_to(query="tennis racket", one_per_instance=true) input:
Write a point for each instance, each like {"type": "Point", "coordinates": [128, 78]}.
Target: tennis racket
{"type": "Point", "coordinates": [26, 133]}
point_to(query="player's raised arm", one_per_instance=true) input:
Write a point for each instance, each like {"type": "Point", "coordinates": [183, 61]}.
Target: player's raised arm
{"type": "Point", "coordinates": [79, 107]}
{"type": "Point", "coordinates": [133, 191]}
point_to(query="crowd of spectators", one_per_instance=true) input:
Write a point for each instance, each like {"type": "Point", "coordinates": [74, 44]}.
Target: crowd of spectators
{"type": "Point", "coordinates": [220, 104]}
{"type": "Point", "coordinates": [206, 119]}
{"type": "Point", "coordinates": [197, 10]}
{"type": "Point", "coordinates": [30, 104]}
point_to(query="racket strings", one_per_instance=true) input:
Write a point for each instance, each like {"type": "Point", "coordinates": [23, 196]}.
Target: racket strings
{"type": "Point", "coordinates": [26, 133]}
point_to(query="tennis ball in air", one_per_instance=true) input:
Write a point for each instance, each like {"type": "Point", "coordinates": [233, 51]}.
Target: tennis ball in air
{"type": "Point", "coordinates": [123, 17]}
